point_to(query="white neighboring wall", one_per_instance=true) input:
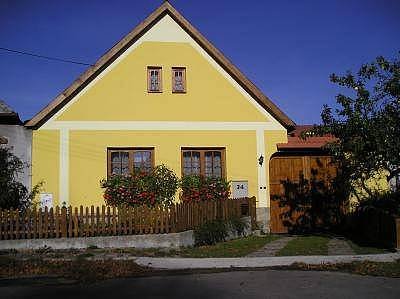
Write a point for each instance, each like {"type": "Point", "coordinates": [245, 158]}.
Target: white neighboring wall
{"type": "Point", "coordinates": [20, 143]}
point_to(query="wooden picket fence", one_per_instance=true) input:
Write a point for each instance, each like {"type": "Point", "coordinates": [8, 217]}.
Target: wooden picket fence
{"type": "Point", "coordinates": [109, 221]}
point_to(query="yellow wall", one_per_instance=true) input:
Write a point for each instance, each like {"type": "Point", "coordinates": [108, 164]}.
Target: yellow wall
{"type": "Point", "coordinates": [88, 156]}
{"type": "Point", "coordinates": [271, 139]}
{"type": "Point", "coordinates": [45, 161]}
{"type": "Point", "coordinates": [121, 94]}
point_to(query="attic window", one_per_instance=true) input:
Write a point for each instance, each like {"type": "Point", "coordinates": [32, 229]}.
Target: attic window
{"type": "Point", "coordinates": [154, 79]}
{"type": "Point", "coordinates": [178, 79]}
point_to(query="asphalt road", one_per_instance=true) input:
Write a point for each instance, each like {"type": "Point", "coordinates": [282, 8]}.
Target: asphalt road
{"type": "Point", "coordinates": [244, 284]}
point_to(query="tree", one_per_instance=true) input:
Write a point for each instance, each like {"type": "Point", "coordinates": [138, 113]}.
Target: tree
{"type": "Point", "coordinates": [366, 122]}
{"type": "Point", "coordinates": [13, 193]}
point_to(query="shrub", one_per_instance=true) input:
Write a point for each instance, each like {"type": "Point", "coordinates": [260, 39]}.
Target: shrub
{"type": "Point", "coordinates": [238, 225]}
{"type": "Point", "coordinates": [13, 194]}
{"type": "Point", "coordinates": [217, 230]}
{"type": "Point", "coordinates": [157, 187]}
{"type": "Point", "coordinates": [388, 202]}
{"type": "Point", "coordinates": [201, 188]}
{"type": "Point", "coordinates": [211, 233]}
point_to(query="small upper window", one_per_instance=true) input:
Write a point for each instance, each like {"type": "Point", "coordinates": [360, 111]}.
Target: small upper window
{"type": "Point", "coordinates": [154, 79]}
{"type": "Point", "coordinates": [179, 79]}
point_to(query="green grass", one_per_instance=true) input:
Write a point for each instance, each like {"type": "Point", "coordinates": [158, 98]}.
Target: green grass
{"type": "Point", "coordinates": [366, 250]}
{"type": "Point", "coordinates": [234, 248]}
{"type": "Point", "coordinates": [308, 245]}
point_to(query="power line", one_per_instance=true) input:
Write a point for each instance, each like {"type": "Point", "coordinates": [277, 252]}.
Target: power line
{"type": "Point", "coordinates": [44, 57]}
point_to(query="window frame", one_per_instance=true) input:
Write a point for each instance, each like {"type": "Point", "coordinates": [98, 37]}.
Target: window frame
{"type": "Point", "coordinates": [131, 151]}
{"type": "Point", "coordinates": [152, 68]}
{"type": "Point", "coordinates": [202, 151]}
{"type": "Point", "coordinates": [178, 68]}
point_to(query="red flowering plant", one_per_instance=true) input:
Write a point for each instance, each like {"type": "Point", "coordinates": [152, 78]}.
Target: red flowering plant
{"type": "Point", "coordinates": [157, 187]}
{"type": "Point", "coordinates": [201, 188]}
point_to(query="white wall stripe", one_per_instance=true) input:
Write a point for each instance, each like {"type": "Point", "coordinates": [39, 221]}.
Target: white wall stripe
{"type": "Point", "coordinates": [160, 125]}
{"type": "Point", "coordinates": [262, 177]}
{"type": "Point", "coordinates": [64, 167]}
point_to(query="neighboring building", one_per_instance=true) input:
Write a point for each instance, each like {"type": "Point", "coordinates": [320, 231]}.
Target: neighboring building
{"type": "Point", "coordinates": [15, 136]}
{"type": "Point", "coordinates": [163, 94]}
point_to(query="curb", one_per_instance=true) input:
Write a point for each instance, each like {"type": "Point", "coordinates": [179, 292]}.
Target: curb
{"type": "Point", "coordinates": [257, 262]}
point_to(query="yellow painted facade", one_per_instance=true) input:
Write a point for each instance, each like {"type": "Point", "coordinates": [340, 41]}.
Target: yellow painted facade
{"type": "Point", "coordinates": [122, 94]}
{"type": "Point", "coordinates": [45, 160]}
{"type": "Point", "coordinates": [88, 167]}
{"type": "Point", "coordinates": [115, 110]}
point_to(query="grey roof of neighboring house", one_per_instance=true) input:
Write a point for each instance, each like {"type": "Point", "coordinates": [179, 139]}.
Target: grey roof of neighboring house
{"type": "Point", "coordinates": [8, 116]}
{"type": "Point", "coordinates": [3, 140]}
{"type": "Point", "coordinates": [4, 108]}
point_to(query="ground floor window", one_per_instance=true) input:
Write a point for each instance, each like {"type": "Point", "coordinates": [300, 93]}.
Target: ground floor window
{"type": "Point", "coordinates": [203, 161]}
{"type": "Point", "coordinates": [125, 161]}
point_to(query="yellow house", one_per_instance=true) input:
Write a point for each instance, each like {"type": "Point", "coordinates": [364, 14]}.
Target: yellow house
{"type": "Point", "coordinates": [163, 94]}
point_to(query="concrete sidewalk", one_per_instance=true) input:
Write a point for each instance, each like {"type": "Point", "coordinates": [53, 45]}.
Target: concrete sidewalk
{"type": "Point", "coordinates": [258, 262]}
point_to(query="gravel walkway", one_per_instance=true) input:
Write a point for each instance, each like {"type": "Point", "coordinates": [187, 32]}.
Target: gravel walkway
{"type": "Point", "coordinates": [339, 247]}
{"type": "Point", "coordinates": [271, 248]}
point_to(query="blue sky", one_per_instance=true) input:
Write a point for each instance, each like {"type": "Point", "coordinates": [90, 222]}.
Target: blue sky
{"type": "Point", "coordinates": [287, 48]}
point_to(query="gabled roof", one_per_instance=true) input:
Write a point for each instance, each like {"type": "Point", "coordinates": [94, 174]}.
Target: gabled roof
{"type": "Point", "coordinates": [166, 8]}
{"type": "Point", "coordinates": [4, 108]}
{"type": "Point", "coordinates": [8, 116]}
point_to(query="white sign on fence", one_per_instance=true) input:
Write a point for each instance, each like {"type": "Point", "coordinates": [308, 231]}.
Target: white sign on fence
{"type": "Point", "coordinates": [46, 200]}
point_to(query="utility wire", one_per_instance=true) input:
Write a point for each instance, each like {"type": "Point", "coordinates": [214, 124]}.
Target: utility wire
{"type": "Point", "coordinates": [44, 57]}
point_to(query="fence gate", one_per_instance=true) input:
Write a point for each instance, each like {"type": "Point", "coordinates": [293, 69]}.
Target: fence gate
{"type": "Point", "coordinates": [291, 168]}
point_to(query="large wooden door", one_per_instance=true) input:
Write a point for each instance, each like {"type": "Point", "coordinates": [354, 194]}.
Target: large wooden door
{"type": "Point", "coordinates": [292, 168]}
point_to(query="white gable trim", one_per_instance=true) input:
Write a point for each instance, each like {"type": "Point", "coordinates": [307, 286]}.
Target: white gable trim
{"type": "Point", "coordinates": [167, 30]}
{"type": "Point", "coordinates": [161, 126]}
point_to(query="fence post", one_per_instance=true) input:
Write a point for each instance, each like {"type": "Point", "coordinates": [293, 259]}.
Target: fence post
{"type": "Point", "coordinates": [397, 227]}
{"type": "Point", "coordinates": [40, 223]}
{"type": "Point", "coordinates": [81, 222]}
{"type": "Point", "coordinates": [63, 222]}
{"type": "Point", "coordinates": [69, 222]}
{"type": "Point", "coordinates": [98, 226]}
{"type": "Point", "coordinates": [114, 223]}
{"type": "Point", "coordinates": [17, 224]}
{"type": "Point", "coordinates": [76, 222]}
{"type": "Point", "coordinates": [103, 220]}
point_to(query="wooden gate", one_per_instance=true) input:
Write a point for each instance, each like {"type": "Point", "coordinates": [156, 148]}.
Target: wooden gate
{"type": "Point", "coordinates": [292, 168]}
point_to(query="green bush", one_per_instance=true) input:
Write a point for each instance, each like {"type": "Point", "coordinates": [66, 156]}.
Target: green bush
{"type": "Point", "coordinates": [238, 225]}
{"type": "Point", "coordinates": [388, 202]}
{"type": "Point", "coordinates": [157, 187]}
{"type": "Point", "coordinates": [216, 231]}
{"type": "Point", "coordinates": [13, 194]}
{"type": "Point", "coordinates": [211, 233]}
{"type": "Point", "coordinates": [201, 188]}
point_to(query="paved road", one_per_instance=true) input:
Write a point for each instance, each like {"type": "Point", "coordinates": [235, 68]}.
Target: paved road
{"type": "Point", "coordinates": [244, 284]}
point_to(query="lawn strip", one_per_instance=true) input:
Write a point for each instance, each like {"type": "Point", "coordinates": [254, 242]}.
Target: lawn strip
{"type": "Point", "coordinates": [235, 248]}
{"type": "Point", "coordinates": [305, 245]}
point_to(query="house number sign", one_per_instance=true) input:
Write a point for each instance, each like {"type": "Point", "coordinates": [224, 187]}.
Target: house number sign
{"type": "Point", "coordinates": [240, 189]}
